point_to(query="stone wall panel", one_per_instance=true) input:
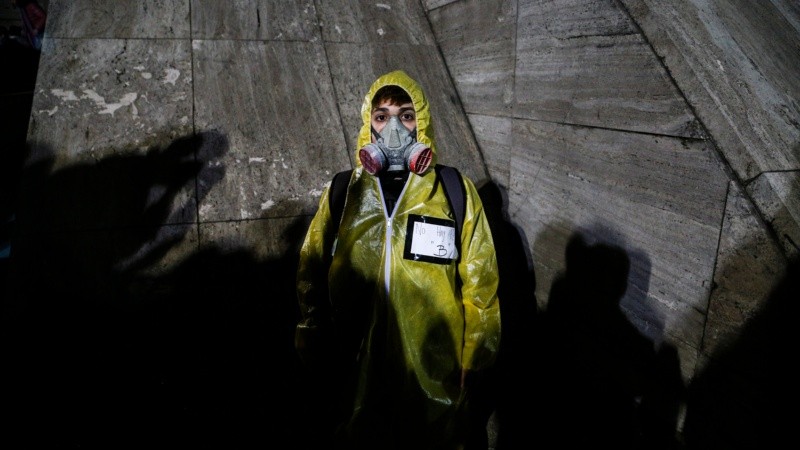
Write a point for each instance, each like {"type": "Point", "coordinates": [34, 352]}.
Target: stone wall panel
{"type": "Point", "coordinates": [638, 192]}
{"type": "Point", "coordinates": [121, 19]}
{"type": "Point", "coordinates": [113, 109]}
{"type": "Point", "coordinates": [390, 21]}
{"type": "Point", "coordinates": [255, 19]}
{"type": "Point", "coordinates": [478, 41]}
{"type": "Point", "coordinates": [274, 103]}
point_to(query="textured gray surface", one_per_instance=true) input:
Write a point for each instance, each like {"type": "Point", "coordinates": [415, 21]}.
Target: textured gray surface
{"type": "Point", "coordinates": [255, 19]}
{"type": "Point", "coordinates": [101, 97]}
{"type": "Point", "coordinates": [478, 41]}
{"type": "Point", "coordinates": [612, 186]}
{"type": "Point", "coordinates": [107, 103]}
{"type": "Point", "coordinates": [124, 19]}
{"type": "Point", "coordinates": [250, 60]}
{"type": "Point", "coordinates": [731, 59]}
{"type": "Point", "coordinates": [609, 81]}
{"type": "Point", "coordinates": [263, 239]}
{"type": "Point", "coordinates": [494, 138]}
{"type": "Point", "coordinates": [748, 264]}
{"type": "Point", "coordinates": [281, 121]}
{"type": "Point", "coordinates": [631, 66]}
{"type": "Point", "coordinates": [392, 21]}
{"type": "Point", "coordinates": [777, 196]}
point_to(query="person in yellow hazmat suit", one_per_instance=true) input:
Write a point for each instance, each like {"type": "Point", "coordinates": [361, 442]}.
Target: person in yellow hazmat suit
{"type": "Point", "coordinates": [401, 315]}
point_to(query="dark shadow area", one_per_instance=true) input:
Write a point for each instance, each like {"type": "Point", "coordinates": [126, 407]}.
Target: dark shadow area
{"type": "Point", "coordinates": [20, 63]}
{"type": "Point", "coordinates": [17, 81]}
{"type": "Point", "coordinates": [394, 415]}
{"type": "Point", "coordinates": [360, 362]}
{"type": "Point", "coordinates": [743, 397]}
{"type": "Point", "coordinates": [597, 381]}
{"type": "Point", "coordinates": [102, 348]}
{"type": "Point", "coordinates": [505, 388]}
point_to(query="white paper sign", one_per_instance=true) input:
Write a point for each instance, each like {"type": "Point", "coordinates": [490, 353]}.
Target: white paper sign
{"type": "Point", "coordinates": [433, 240]}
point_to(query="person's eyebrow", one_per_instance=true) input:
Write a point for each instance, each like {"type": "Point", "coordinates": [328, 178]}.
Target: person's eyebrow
{"type": "Point", "coordinates": [380, 109]}
{"type": "Point", "coordinates": [407, 108]}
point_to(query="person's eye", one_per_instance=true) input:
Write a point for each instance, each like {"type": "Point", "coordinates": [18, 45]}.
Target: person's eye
{"type": "Point", "coordinates": [407, 117]}
{"type": "Point", "coordinates": [379, 117]}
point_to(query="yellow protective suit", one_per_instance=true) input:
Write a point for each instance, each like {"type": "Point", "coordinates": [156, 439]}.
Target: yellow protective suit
{"type": "Point", "coordinates": [408, 327]}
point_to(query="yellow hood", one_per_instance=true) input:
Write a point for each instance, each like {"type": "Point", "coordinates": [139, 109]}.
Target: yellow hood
{"type": "Point", "coordinates": [424, 127]}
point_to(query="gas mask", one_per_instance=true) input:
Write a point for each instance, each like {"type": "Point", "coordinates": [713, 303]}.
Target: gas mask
{"type": "Point", "coordinates": [395, 149]}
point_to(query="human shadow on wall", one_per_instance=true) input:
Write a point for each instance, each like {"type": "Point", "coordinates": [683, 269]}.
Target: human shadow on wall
{"type": "Point", "coordinates": [498, 391]}
{"type": "Point", "coordinates": [599, 381]}
{"type": "Point", "coordinates": [741, 397]}
{"type": "Point", "coordinates": [79, 224]}
{"type": "Point", "coordinates": [109, 350]}
{"type": "Point", "coordinates": [220, 341]}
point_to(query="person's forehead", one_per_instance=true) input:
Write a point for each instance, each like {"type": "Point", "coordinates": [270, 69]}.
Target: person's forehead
{"type": "Point", "coordinates": [387, 104]}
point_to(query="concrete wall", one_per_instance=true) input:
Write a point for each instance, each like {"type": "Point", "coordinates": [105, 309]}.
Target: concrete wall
{"type": "Point", "coordinates": [645, 152]}
{"type": "Point", "coordinates": [668, 130]}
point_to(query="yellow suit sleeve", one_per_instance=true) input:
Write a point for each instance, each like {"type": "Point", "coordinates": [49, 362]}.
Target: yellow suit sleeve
{"type": "Point", "coordinates": [479, 275]}
{"type": "Point", "coordinates": [312, 275]}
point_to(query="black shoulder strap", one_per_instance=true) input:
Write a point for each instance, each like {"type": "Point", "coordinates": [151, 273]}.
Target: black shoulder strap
{"type": "Point", "coordinates": [454, 190]}
{"type": "Point", "coordinates": [337, 195]}
{"type": "Point", "coordinates": [451, 181]}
